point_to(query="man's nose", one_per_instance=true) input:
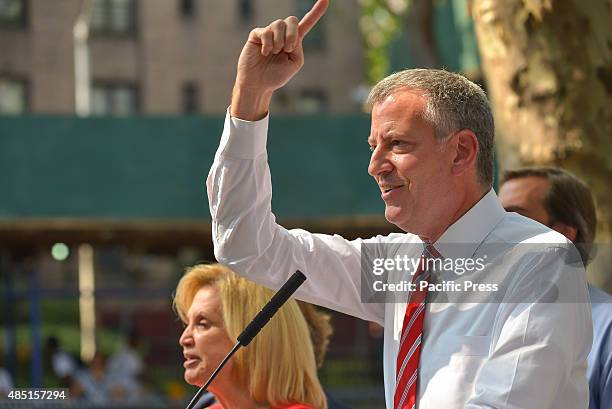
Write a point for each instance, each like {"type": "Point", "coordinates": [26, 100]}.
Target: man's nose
{"type": "Point", "coordinates": [379, 163]}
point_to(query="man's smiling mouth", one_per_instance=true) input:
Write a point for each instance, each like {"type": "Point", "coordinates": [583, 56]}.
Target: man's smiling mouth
{"type": "Point", "coordinates": [388, 188]}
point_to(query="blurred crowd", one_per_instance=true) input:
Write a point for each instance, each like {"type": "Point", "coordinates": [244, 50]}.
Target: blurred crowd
{"type": "Point", "coordinates": [114, 378]}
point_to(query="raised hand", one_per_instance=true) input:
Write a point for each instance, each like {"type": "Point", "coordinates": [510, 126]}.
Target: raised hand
{"type": "Point", "coordinates": [270, 58]}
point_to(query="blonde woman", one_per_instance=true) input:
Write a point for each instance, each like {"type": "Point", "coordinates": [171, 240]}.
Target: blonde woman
{"type": "Point", "coordinates": [277, 370]}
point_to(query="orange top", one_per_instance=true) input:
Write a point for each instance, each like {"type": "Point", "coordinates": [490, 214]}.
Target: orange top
{"type": "Point", "coordinates": [291, 406]}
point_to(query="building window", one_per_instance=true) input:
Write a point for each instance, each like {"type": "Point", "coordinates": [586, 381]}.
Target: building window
{"type": "Point", "coordinates": [13, 97]}
{"type": "Point", "coordinates": [13, 13]}
{"type": "Point", "coordinates": [187, 8]}
{"type": "Point", "coordinates": [245, 9]}
{"type": "Point", "coordinates": [315, 40]}
{"type": "Point", "coordinates": [311, 102]}
{"type": "Point", "coordinates": [190, 98]}
{"type": "Point", "coordinates": [113, 17]}
{"type": "Point", "coordinates": [114, 100]}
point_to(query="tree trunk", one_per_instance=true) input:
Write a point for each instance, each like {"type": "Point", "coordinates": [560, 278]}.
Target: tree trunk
{"type": "Point", "coordinates": [418, 25]}
{"type": "Point", "coordinates": [548, 67]}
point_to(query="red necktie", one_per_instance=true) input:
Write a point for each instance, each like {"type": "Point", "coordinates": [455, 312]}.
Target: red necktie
{"type": "Point", "coordinates": [407, 367]}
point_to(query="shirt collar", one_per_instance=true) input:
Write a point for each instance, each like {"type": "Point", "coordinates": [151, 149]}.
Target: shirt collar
{"type": "Point", "coordinates": [471, 228]}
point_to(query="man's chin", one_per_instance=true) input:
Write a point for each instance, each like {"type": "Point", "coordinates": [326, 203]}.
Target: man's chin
{"type": "Point", "coordinates": [392, 215]}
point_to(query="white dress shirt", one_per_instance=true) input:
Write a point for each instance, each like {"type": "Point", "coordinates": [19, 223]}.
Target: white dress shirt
{"type": "Point", "coordinates": [507, 354]}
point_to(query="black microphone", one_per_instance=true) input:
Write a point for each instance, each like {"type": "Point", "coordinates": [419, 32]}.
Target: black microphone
{"type": "Point", "coordinates": [271, 307]}
{"type": "Point", "coordinates": [260, 320]}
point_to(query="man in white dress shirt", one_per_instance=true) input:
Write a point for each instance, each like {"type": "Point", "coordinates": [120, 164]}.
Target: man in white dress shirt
{"type": "Point", "coordinates": [558, 199]}
{"type": "Point", "coordinates": [432, 156]}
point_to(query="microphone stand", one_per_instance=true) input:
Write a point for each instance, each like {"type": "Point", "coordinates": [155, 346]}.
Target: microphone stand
{"type": "Point", "coordinates": [260, 320]}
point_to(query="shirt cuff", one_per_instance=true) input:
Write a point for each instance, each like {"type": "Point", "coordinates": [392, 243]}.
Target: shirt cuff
{"type": "Point", "coordinates": [244, 139]}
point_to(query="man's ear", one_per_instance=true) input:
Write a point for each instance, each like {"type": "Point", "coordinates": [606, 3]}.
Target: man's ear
{"type": "Point", "coordinates": [568, 231]}
{"type": "Point", "coordinates": [466, 151]}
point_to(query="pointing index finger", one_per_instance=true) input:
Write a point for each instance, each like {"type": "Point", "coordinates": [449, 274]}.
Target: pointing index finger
{"type": "Point", "coordinates": [312, 17]}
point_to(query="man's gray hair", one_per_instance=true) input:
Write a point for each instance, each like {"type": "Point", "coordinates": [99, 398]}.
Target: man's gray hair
{"type": "Point", "coordinates": [453, 103]}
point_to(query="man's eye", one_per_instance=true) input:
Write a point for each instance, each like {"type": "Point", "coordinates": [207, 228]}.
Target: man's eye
{"type": "Point", "coordinates": [396, 143]}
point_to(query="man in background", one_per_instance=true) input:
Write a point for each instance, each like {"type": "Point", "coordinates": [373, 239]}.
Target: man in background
{"type": "Point", "coordinates": [561, 201]}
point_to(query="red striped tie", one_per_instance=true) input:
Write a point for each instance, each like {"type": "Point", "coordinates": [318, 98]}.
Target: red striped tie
{"type": "Point", "coordinates": [407, 367]}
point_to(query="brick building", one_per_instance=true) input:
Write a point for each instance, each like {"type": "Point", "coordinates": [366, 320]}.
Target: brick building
{"type": "Point", "coordinates": [167, 56]}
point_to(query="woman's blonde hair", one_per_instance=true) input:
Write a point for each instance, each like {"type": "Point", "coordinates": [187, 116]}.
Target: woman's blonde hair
{"type": "Point", "coordinates": [320, 330]}
{"type": "Point", "coordinates": [278, 367]}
